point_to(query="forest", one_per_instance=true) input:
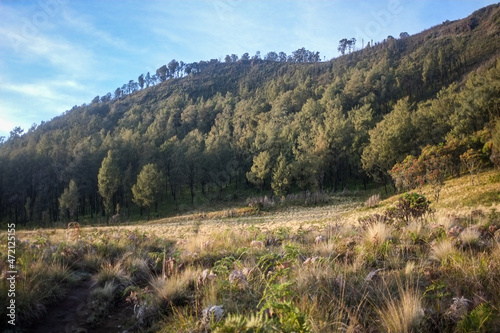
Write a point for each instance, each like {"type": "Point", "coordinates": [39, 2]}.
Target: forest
{"type": "Point", "coordinates": [426, 105]}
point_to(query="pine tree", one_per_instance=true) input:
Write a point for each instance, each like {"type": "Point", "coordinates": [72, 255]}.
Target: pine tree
{"type": "Point", "coordinates": [108, 180]}
{"type": "Point", "coordinates": [68, 201]}
{"type": "Point", "coordinates": [148, 187]}
{"type": "Point", "coordinates": [281, 177]}
{"type": "Point", "coordinates": [260, 170]}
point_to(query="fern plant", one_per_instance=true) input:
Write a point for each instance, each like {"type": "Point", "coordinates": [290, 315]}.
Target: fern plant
{"type": "Point", "coordinates": [477, 321]}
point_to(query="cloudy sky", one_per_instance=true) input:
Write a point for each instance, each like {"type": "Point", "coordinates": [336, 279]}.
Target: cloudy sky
{"type": "Point", "coordinates": [55, 54]}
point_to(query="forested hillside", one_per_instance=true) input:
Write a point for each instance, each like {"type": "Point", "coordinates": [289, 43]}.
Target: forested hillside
{"type": "Point", "coordinates": [278, 124]}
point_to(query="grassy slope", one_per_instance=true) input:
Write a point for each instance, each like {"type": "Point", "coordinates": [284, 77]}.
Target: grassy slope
{"type": "Point", "coordinates": [457, 197]}
{"type": "Point", "coordinates": [419, 270]}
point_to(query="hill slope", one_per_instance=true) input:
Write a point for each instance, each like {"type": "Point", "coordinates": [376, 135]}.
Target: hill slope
{"type": "Point", "coordinates": [280, 126]}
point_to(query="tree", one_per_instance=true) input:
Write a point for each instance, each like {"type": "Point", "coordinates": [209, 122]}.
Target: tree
{"type": "Point", "coordinates": [281, 180]}
{"type": "Point", "coordinates": [16, 132]}
{"type": "Point", "coordinates": [193, 148]}
{"type": "Point", "coordinates": [351, 44]}
{"type": "Point", "coordinates": [245, 56]}
{"type": "Point", "coordinates": [261, 169]}
{"type": "Point", "coordinates": [118, 92]}
{"type": "Point", "coordinates": [271, 56]}
{"type": "Point", "coordinates": [140, 79]}
{"type": "Point", "coordinates": [436, 160]}
{"type": "Point", "coordinates": [68, 201]}
{"type": "Point", "coordinates": [161, 73]}
{"type": "Point", "coordinates": [390, 142]}
{"type": "Point", "coordinates": [173, 67]}
{"type": "Point", "coordinates": [495, 142]}
{"type": "Point", "coordinates": [409, 174]}
{"type": "Point", "coordinates": [148, 187]}
{"type": "Point", "coordinates": [472, 161]}
{"type": "Point", "coordinates": [108, 181]}
{"type": "Point", "coordinates": [342, 45]}
{"type": "Point", "coordinates": [131, 86]}
{"type": "Point", "coordinates": [227, 59]}
{"type": "Point", "coordinates": [256, 57]}
{"type": "Point", "coordinates": [106, 98]}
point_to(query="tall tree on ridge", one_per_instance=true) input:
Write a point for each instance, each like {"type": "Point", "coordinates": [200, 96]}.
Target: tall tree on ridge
{"type": "Point", "coordinates": [140, 79]}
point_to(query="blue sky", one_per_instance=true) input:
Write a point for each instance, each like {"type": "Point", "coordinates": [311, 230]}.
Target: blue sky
{"type": "Point", "coordinates": [55, 54]}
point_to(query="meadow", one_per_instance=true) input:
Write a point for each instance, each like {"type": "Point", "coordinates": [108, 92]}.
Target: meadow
{"type": "Point", "coordinates": [352, 262]}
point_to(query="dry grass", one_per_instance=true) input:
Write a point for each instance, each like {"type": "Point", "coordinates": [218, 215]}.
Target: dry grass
{"type": "Point", "coordinates": [330, 291]}
{"type": "Point", "coordinates": [443, 250]}
{"type": "Point", "coordinates": [377, 233]}
{"type": "Point", "coordinates": [175, 289]}
{"type": "Point", "coordinates": [373, 201]}
{"type": "Point", "coordinates": [470, 236]}
{"type": "Point", "coordinates": [402, 314]}
{"type": "Point", "coordinates": [113, 273]}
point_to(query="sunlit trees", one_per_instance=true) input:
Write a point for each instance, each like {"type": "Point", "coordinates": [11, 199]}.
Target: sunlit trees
{"type": "Point", "coordinates": [408, 174]}
{"type": "Point", "coordinates": [287, 124]}
{"type": "Point", "coordinates": [109, 181]}
{"type": "Point", "coordinates": [390, 142]}
{"type": "Point", "coordinates": [282, 178]}
{"type": "Point", "coordinates": [148, 187]}
{"type": "Point", "coordinates": [261, 170]}
{"type": "Point", "coordinates": [473, 163]}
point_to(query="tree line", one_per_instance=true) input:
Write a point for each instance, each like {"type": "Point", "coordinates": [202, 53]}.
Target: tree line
{"type": "Point", "coordinates": [177, 69]}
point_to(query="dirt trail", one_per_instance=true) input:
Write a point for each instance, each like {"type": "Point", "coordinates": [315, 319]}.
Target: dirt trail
{"type": "Point", "coordinates": [70, 315]}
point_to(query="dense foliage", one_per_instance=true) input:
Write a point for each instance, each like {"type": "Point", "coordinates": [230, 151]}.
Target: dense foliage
{"type": "Point", "coordinates": [279, 125]}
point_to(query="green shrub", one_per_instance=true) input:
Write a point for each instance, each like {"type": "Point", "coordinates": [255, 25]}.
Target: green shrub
{"type": "Point", "coordinates": [412, 205]}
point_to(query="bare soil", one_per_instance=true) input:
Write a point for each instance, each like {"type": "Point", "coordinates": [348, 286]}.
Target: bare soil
{"type": "Point", "coordinates": [70, 315]}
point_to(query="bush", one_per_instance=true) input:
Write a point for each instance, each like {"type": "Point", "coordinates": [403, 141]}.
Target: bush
{"type": "Point", "coordinates": [412, 205]}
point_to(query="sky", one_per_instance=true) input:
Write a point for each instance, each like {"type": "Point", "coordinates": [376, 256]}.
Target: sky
{"type": "Point", "coordinates": [55, 54]}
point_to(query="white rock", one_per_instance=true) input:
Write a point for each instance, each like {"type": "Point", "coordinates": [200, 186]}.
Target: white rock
{"type": "Point", "coordinates": [215, 311]}
{"type": "Point", "coordinates": [320, 239]}
{"type": "Point", "coordinates": [257, 244]}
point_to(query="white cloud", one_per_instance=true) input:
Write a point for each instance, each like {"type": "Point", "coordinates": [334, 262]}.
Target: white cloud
{"type": "Point", "coordinates": [5, 125]}
{"type": "Point", "coordinates": [83, 25]}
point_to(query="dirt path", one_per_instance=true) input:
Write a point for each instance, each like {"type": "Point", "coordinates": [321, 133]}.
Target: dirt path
{"type": "Point", "coordinates": [71, 313]}
{"type": "Point", "coordinates": [67, 315]}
